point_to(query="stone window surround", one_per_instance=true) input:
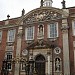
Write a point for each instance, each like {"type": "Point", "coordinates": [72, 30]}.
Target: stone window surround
{"type": "Point", "coordinates": [13, 36]}
{"type": "Point", "coordinates": [26, 29]}
{"type": "Point", "coordinates": [49, 29]}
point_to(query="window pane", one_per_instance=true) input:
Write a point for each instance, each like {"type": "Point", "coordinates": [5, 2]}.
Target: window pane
{"type": "Point", "coordinates": [11, 35]}
{"type": "Point", "coordinates": [29, 33]}
{"type": "Point", "coordinates": [53, 30]}
{"type": "Point", "coordinates": [23, 65]}
{"type": "Point", "coordinates": [9, 57]}
{"type": "Point", "coordinates": [9, 66]}
{"type": "Point", "coordinates": [0, 36]}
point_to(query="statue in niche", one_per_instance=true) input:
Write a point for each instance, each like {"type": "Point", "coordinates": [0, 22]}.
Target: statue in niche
{"type": "Point", "coordinates": [41, 31]}
{"type": "Point", "coordinates": [57, 64]}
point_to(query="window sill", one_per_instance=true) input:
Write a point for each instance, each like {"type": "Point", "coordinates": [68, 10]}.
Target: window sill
{"type": "Point", "coordinates": [52, 39]}
{"type": "Point", "coordinates": [10, 43]}
{"type": "Point", "coordinates": [29, 41]}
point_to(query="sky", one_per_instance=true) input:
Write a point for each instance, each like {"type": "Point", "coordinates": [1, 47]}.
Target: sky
{"type": "Point", "coordinates": [14, 7]}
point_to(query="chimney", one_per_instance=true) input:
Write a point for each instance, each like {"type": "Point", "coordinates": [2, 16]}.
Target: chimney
{"type": "Point", "coordinates": [63, 4]}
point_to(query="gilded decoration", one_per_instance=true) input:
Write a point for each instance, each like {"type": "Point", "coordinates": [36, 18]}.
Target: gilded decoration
{"type": "Point", "coordinates": [43, 15]}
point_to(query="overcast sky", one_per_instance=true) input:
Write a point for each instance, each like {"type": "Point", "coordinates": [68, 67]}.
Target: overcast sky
{"type": "Point", "coordinates": [14, 7]}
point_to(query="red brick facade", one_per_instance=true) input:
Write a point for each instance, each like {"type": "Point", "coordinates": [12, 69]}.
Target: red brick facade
{"type": "Point", "coordinates": [15, 23]}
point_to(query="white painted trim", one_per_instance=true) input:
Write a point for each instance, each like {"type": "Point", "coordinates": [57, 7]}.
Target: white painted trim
{"type": "Point", "coordinates": [11, 53]}
{"type": "Point", "coordinates": [48, 64]}
{"type": "Point", "coordinates": [57, 29]}
{"type": "Point", "coordinates": [33, 31]}
{"type": "Point", "coordinates": [49, 30]}
{"type": "Point", "coordinates": [8, 35]}
{"type": "Point", "coordinates": [1, 37]}
{"type": "Point", "coordinates": [74, 59]}
{"type": "Point", "coordinates": [26, 29]}
{"type": "Point", "coordinates": [22, 66]}
{"type": "Point", "coordinates": [26, 33]}
{"type": "Point", "coordinates": [73, 27]}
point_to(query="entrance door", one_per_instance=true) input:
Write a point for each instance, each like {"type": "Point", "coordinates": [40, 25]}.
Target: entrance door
{"type": "Point", "coordinates": [40, 65]}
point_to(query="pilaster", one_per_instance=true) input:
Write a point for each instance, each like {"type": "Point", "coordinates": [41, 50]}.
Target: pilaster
{"type": "Point", "coordinates": [74, 60]}
{"type": "Point", "coordinates": [66, 61]}
{"type": "Point", "coordinates": [49, 63]}
{"type": "Point", "coordinates": [18, 50]}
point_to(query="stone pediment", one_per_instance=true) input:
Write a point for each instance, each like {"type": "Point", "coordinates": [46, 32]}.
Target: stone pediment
{"type": "Point", "coordinates": [42, 14]}
{"type": "Point", "coordinates": [41, 44]}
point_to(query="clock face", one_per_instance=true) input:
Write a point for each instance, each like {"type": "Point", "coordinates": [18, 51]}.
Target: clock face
{"type": "Point", "coordinates": [57, 50]}
{"type": "Point", "coordinates": [24, 52]}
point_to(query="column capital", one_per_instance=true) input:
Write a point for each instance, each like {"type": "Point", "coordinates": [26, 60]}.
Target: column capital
{"type": "Point", "coordinates": [64, 28]}
{"type": "Point", "coordinates": [20, 30]}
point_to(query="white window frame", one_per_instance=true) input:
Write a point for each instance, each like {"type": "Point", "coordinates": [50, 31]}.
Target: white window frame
{"type": "Point", "coordinates": [73, 27]}
{"type": "Point", "coordinates": [8, 39]}
{"type": "Point", "coordinates": [11, 53]}
{"type": "Point", "coordinates": [0, 36]}
{"type": "Point", "coordinates": [23, 65]}
{"type": "Point", "coordinates": [74, 58]}
{"type": "Point", "coordinates": [26, 33]}
{"type": "Point", "coordinates": [49, 36]}
{"type": "Point", "coordinates": [9, 48]}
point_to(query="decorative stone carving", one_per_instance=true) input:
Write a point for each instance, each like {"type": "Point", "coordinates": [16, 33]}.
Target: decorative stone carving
{"type": "Point", "coordinates": [25, 52]}
{"type": "Point", "coordinates": [43, 15]}
{"type": "Point", "coordinates": [40, 32]}
{"type": "Point", "coordinates": [57, 50]}
{"type": "Point", "coordinates": [64, 28]}
{"type": "Point", "coordinates": [57, 64]}
{"type": "Point", "coordinates": [9, 48]}
{"type": "Point", "coordinates": [20, 32]}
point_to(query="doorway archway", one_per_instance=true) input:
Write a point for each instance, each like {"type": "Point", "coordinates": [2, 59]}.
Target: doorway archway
{"type": "Point", "coordinates": [40, 64]}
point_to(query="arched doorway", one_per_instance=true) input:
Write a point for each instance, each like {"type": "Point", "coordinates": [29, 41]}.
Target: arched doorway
{"type": "Point", "coordinates": [40, 65]}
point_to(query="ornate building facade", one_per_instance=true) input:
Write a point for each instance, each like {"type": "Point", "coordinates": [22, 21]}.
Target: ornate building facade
{"type": "Point", "coordinates": [45, 35]}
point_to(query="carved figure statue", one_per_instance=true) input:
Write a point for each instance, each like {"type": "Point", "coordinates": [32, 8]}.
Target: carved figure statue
{"type": "Point", "coordinates": [57, 66]}
{"type": "Point", "coordinates": [40, 30]}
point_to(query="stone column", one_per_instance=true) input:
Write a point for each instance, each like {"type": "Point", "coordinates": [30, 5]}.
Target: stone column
{"type": "Point", "coordinates": [18, 51]}
{"type": "Point", "coordinates": [74, 60]}
{"type": "Point", "coordinates": [66, 61]}
{"type": "Point", "coordinates": [49, 63]}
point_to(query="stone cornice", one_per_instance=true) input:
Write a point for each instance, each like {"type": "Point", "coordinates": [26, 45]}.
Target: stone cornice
{"type": "Point", "coordinates": [8, 26]}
